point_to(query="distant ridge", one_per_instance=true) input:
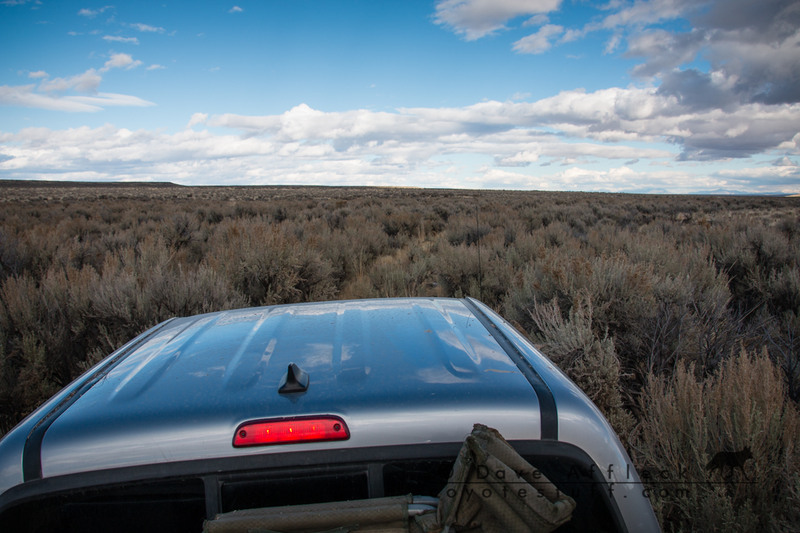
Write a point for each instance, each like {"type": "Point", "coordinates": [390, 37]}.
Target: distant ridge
{"type": "Point", "coordinates": [127, 185]}
{"type": "Point", "coordinates": [62, 184]}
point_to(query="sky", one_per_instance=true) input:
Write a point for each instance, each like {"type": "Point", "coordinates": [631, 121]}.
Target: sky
{"type": "Point", "coordinates": [644, 96]}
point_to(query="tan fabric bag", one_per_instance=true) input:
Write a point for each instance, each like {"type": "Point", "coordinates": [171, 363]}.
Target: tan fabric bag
{"type": "Point", "coordinates": [493, 489]}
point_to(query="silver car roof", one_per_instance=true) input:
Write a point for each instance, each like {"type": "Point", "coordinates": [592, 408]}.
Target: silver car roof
{"type": "Point", "coordinates": [398, 371]}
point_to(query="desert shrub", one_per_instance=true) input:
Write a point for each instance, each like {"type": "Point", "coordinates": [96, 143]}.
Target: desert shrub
{"type": "Point", "coordinates": [466, 230]}
{"type": "Point", "coordinates": [623, 293]}
{"type": "Point", "coordinates": [557, 234]}
{"type": "Point", "coordinates": [268, 265]}
{"type": "Point", "coordinates": [401, 223]}
{"type": "Point", "coordinates": [405, 274]}
{"type": "Point", "coordinates": [262, 266]}
{"type": "Point", "coordinates": [458, 270]}
{"type": "Point", "coordinates": [180, 230]}
{"type": "Point", "coordinates": [551, 274]}
{"type": "Point", "coordinates": [314, 276]}
{"type": "Point", "coordinates": [472, 271]}
{"type": "Point", "coordinates": [142, 286]}
{"type": "Point", "coordinates": [782, 289]}
{"type": "Point", "coordinates": [46, 330]}
{"type": "Point", "coordinates": [754, 257]}
{"type": "Point", "coordinates": [783, 334]}
{"type": "Point", "coordinates": [587, 356]}
{"type": "Point", "coordinates": [686, 421]}
{"type": "Point", "coordinates": [352, 249]}
{"type": "Point", "coordinates": [12, 257]}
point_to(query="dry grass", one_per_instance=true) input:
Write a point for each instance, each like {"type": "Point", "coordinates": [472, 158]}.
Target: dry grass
{"type": "Point", "coordinates": [687, 420]}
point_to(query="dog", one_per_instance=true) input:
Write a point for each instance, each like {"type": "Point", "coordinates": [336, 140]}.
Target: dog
{"type": "Point", "coordinates": [732, 460]}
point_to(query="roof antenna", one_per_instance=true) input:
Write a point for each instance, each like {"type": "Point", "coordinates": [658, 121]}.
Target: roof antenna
{"type": "Point", "coordinates": [478, 244]}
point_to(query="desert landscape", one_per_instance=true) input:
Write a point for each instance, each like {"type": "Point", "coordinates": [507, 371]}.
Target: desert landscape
{"type": "Point", "coordinates": [678, 315]}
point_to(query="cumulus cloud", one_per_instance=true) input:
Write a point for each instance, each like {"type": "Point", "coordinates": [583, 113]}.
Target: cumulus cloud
{"type": "Point", "coordinates": [540, 41]}
{"type": "Point", "coordinates": [235, 9]}
{"type": "Point", "coordinates": [751, 47]}
{"type": "Point", "coordinates": [664, 50]}
{"type": "Point", "coordinates": [125, 61]}
{"type": "Point", "coordinates": [474, 19]}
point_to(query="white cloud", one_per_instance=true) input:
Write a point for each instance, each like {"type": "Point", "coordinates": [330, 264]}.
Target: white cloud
{"type": "Point", "coordinates": [538, 42]}
{"type": "Point", "coordinates": [611, 115]}
{"type": "Point", "coordinates": [477, 18]}
{"type": "Point", "coordinates": [125, 61]}
{"type": "Point", "coordinates": [664, 50]}
{"type": "Point", "coordinates": [235, 9]}
{"type": "Point", "coordinates": [641, 13]}
{"type": "Point", "coordinates": [197, 118]}
{"type": "Point", "coordinates": [431, 146]}
{"type": "Point", "coordinates": [156, 66]}
{"type": "Point", "coordinates": [86, 12]}
{"type": "Point", "coordinates": [784, 162]}
{"type": "Point", "coordinates": [751, 47]}
{"type": "Point", "coordinates": [778, 178]}
{"type": "Point", "coordinates": [59, 94]}
{"type": "Point", "coordinates": [147, 28]}
{"type": "Point", "coordinates": [87, 82]}
{"type": "Point", "coordinates": [118, 39]}
{"type": "Point", "coordinates": [26, 96]}
{"type": "Point", "coordinates": [102, 100]}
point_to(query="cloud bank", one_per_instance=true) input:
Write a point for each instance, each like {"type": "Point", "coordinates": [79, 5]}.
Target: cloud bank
{"type": "Point", "coordinates": [751, 47]}
{"type": "Point", "coordinates": [489, 144]}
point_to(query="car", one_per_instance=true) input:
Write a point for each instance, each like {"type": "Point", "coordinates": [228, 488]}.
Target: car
{"type": "Point", "coordinates": [313, 407]}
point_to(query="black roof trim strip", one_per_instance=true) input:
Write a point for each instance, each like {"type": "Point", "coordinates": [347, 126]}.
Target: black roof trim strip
{"type": "Point", "coordinates": [547, 404]}
{"type": "Point", "coordinates": [32, 453]}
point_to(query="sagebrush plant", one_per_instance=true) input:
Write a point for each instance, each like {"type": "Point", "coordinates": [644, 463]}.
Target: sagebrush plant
{"type": "Point", "coordinates": [587, 356]}
{"type": "Point", "coordinates": [686, 420]}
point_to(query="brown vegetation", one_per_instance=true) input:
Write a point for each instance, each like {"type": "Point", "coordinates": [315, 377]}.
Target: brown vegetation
{"type": "Point", "coordinates": [679, 316]}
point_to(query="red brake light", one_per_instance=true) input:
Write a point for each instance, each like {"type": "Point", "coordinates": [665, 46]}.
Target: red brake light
{"type": "Point", "coordinates": [291, 430]}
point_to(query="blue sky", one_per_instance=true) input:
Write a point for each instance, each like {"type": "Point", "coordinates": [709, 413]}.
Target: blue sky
{"type": "Point", "coordinates": [661, 96]}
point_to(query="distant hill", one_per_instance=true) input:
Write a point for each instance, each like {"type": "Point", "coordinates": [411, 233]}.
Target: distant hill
{"type": "Point", "coordinates": [72, 184]}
